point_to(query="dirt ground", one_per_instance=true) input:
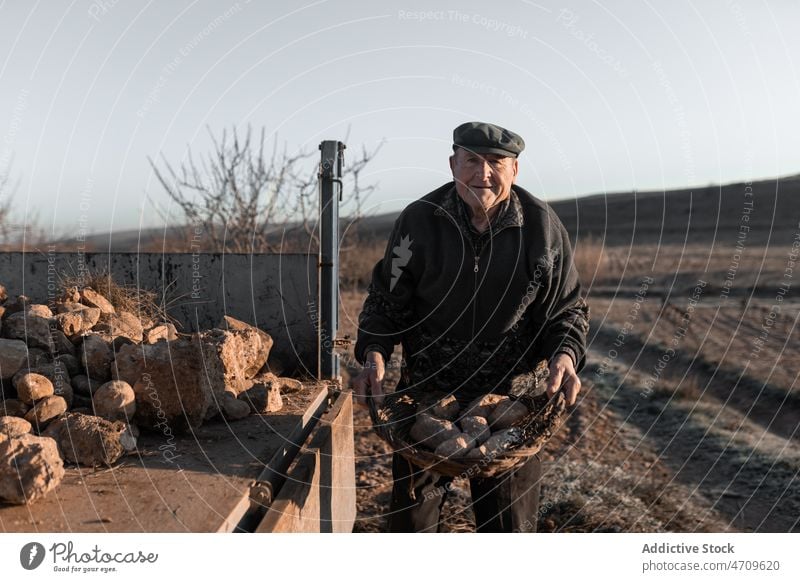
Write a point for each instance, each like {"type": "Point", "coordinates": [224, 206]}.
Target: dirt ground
{"type": "Point", "coordinates": [687, 422]}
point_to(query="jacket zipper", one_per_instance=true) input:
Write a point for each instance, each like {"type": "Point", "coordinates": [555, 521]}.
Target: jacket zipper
{"type": "Point", "coordinates": [476, 269]}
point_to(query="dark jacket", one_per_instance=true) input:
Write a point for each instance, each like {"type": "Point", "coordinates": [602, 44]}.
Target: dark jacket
{"type": "Point", "coordinates": [471, 308]}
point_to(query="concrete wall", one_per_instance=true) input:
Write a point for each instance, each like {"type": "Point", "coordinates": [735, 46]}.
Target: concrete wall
{"type": "Point", "coordinates": [278, 293]}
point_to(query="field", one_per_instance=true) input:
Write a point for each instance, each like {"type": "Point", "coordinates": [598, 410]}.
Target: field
{"type": "Point", "coordinates": [688, 419]}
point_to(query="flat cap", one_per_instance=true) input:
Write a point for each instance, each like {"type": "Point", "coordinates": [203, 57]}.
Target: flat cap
{"type": "Point", "coordinates": [487, 138]}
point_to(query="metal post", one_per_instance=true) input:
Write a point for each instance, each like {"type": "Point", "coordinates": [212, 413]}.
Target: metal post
{"type": "Point", "coordinates": [330, 179]}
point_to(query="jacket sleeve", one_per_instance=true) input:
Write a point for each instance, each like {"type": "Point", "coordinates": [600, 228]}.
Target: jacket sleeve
{"type": "Point", "coordinates": [387, 310]}
{"type": "Point", "coordinates": [565, 321]}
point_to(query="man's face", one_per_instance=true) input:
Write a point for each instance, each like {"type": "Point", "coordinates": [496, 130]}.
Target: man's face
{"type": "Point", "coordinates": [483, 180]}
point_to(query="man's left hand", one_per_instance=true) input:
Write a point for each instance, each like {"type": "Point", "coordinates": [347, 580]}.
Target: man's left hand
{"type": "Point", "coordinates": [563, 375]}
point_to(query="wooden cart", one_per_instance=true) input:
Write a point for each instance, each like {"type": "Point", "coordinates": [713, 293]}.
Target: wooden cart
{"type": "Point", "coordinates": [287, 471]}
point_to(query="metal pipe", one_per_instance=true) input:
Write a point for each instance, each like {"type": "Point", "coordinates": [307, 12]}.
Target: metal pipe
{"type": "Point", "coordinates": [330, 181]}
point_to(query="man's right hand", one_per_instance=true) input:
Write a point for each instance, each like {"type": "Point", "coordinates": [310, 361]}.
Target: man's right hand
{"type": "Point", "coordinates": [369, 382]}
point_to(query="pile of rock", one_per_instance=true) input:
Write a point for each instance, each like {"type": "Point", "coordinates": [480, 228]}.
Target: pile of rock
{"type": "Point", "coordinates": [79, 377]}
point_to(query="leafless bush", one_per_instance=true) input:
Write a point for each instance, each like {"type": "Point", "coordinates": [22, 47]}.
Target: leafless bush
{"type": "Point", "coordinates": [5, 210]}
{"type": "Point", "coordinates": [242, 195]}
{"type": "Point", "coordinates": [15, 235]}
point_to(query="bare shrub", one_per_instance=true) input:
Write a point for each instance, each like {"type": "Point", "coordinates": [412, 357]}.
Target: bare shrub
{"type": "Point", "coordinates": [242, 193]}
{"type": "Point", "coordinates": [16, 236]}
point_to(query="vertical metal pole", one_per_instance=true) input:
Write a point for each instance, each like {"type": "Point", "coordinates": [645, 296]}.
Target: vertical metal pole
{"type": "Point", "coordinates": [330, 176]}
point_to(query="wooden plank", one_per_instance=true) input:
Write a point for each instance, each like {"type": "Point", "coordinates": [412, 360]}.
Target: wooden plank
{"type": "Point", "coordinates": [329, 493]}
{"type": "Point", "coordinates": [335, 442]}
{"type": "Point", "coordinates": [203, 484]}
{"type": "Point", "coordinates": [297, 507]}
{"type": "Point", "coordinates": [274, 474]}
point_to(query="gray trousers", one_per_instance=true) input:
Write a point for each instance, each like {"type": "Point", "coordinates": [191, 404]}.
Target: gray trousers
{"type": "Point", "coordinates": [507, 503]}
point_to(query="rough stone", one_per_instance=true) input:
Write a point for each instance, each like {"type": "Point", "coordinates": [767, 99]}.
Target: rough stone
{"type": "Point", "coordinates": [170, 383]}
{"type": "Point", "coordinates": [96, 357]}
{"type": "Point", "coordinates": [13, 426]}
{"type": "Point", "coordinates": [123, 324]}
{"type": "Point", "coordinates": [62, 344]}
{"type": "Point", "coordinates": [70, 363]}
{"type": "Point", "coordinates": [115, 400]}
{"type": "Point", "coordinates": [128, 438]}
{"type": "Point", "coordinates": [165, 331]}
{"type": "Point", "coordinates": [32, 329]}
{"type": "Point", "coordinates": [38, 357]}
{"type": "Point", "coordinates": [85, 386]}
{"type": "Point", "coordinates": [32, 387]}
{"type": "Point", "coordinates": [91, 441]}
{"type": "Point", "coordinates": [266, 378]}
{"type": "Point", "coordinates": [62, 387]}
{"type": "Point", "coordinates": [290, 384]}
{"type": "Point", "coordinates": [233, 408]}
{"type": "Point", "coordinates": [13, 355]}
{"type": "Point", "coordinates": [263, 398]}
{"type": "Point", "coordinates": [16, 305]}
{"type": "Point", "coordinates": [30, 467]}
{"type": "Point", "coordinates": [67, 306]}
{"type": "Point", "coordinates": [233, 357]}
{"type": "Point", "coordinates": [119, 341]}
{"type": "Point", "coordinates": [45, 368]}
{"type": "Point", "coordinates": [14, 407]}
{"type": "Point", "coordinates": [46, 410]}
{"type": "Point", "coordinates": [7, 389]}
{"type": "Point", "coordinates": [92, 298]}
{"type": "Point", "coordinates": [58, 375]}
{"type": "Point", "coordinates": [232, 324]}
{"type": "Point", "coordinates": [82, 404]}
{"type": "Point", "coordinates": [70, 295]}
{"type": "Point", "coordinates": [39, 310]}
{"type": "Point", "coordinates": [78, 320]}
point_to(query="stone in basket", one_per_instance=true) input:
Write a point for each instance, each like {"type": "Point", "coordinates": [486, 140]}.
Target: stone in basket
{"type": "Point", "coordinates": [483, 437]}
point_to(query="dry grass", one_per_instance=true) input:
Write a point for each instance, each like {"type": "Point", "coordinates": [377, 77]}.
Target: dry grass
{"type": "Point", "coordinates": [690, 387]}
{"type": "Point", "coordinates": [143, 303]}
{"type": "Point", "coordinates": [591, 260]}
{"type": "Point", "coordinates": [357, 258]}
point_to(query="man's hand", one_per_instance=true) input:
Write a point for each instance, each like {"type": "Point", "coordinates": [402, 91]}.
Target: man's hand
{"type": "Point", "coordinates": [563, 375]}
{"type": "Point", "coordinates": [369, 382]}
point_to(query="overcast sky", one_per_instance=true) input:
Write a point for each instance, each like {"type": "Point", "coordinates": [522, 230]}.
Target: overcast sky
{"type": "Point", "coordinates": [609, 96]}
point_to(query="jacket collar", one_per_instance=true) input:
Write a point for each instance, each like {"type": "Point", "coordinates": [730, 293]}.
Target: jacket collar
{"type": "Point", "coordinates": [451, 206]}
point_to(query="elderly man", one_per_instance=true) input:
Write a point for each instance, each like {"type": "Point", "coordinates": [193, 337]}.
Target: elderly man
{"type": "Point", "coordinates": [477, 284]}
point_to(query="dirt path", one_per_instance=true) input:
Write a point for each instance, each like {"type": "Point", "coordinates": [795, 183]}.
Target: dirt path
{"type": "Point", "coordinates": [737, 457]}
{"type": "Point", "coordinates": [674, 458]}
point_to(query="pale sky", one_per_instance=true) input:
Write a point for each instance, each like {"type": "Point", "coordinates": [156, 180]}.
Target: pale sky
{"type": "Point", "coordinates": [609, 96]}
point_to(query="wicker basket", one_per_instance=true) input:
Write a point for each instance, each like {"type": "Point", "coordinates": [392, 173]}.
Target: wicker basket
{"type": "Point", "coordinates": [393, 420]}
